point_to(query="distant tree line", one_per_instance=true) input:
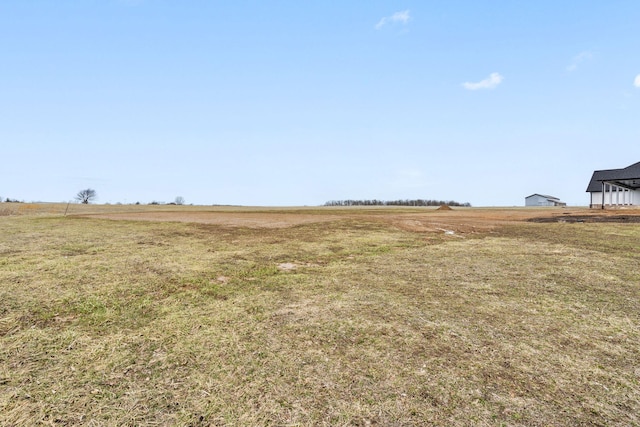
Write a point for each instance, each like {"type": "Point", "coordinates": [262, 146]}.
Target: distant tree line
{"type": "Point", "coordinates": [416, 202]}
{"type": "Point", "coordinates": [88, 195]}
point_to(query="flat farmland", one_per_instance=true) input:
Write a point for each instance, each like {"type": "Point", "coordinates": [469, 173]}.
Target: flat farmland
{"type": "Point", "coordinates": [116, 315]}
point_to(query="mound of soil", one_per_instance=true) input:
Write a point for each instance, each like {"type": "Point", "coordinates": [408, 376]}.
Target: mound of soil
{"type": "Point", "coordinates": [444, 208]}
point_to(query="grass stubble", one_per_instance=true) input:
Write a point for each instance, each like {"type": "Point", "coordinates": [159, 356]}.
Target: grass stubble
{"type": "Point", "coordinates": [136, 323]}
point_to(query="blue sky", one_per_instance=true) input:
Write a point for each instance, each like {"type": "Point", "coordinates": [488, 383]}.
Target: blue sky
{"type": "Point", "coordinates": [301, 102]}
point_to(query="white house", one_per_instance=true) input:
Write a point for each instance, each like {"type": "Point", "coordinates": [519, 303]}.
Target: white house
{"type": "Point", "coordinates": [615, 187]}
{"type": "Point", "coordinates": [542, 200]}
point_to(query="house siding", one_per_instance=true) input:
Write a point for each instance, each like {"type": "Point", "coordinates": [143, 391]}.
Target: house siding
{"type": "Point", "coordinates": [612, 198]}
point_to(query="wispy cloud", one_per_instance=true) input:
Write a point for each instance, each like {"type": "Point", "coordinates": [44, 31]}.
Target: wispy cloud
{"type": "Point", "coordinates": [490, 82]}
{"type": "Point", "coordinates": [579, 59]}
{"type": "Point", "coordinates": [636, 82]}
{"type": "Point", "coordinates": [402, 17]}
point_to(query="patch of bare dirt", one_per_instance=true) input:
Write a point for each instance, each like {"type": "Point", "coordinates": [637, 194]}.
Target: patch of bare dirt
{"type": "Point", "coordinates": [458, 222]}
{"type": "Point", "coordinates": [287, 266]}
{"type": "Point", "coordinates": [589, 218]}
{"type": "Point", "coordinates": [231, 219]}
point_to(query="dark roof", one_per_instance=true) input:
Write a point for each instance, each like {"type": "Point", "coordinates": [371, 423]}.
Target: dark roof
{"type": "Point", "coordinates": [626, 177]}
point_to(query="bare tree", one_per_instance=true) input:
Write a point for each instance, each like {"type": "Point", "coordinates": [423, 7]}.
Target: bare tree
{"type": "Point", "coordinates": [86, 196]}
{"type": "Point", "coordinates": [179, 200]}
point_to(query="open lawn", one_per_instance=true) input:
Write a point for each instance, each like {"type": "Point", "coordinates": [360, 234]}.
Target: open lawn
{"type": "Point", "coordinates": [198, 316]}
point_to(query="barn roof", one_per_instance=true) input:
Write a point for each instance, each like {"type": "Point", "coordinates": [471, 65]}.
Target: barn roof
{"type": "Point", "coordinates": [542, 195]}
{"type": "Point", "coordinates": [628, 177]}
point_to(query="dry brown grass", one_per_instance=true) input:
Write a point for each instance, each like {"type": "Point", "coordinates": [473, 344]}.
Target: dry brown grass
{"type": "Point", "coordinates": [379, 318]}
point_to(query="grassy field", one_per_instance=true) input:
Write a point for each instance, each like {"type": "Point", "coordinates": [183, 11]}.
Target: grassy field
{"type": "Point", "coordinates": [368, 317]}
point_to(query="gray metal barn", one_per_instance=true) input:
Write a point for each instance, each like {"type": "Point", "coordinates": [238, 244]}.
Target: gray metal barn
{"type": "Point", "coordinates": [542, 200]}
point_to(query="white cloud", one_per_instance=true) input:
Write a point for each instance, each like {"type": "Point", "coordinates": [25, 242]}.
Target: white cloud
{"type": "Point", "coordinates": [490, 82]}
{"type": "Point", "coordinates": [578, 59]}
{"type": "Point", "coordinates": [636, 82]}
{"type": "Point", "coordinates": [402, 17]}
